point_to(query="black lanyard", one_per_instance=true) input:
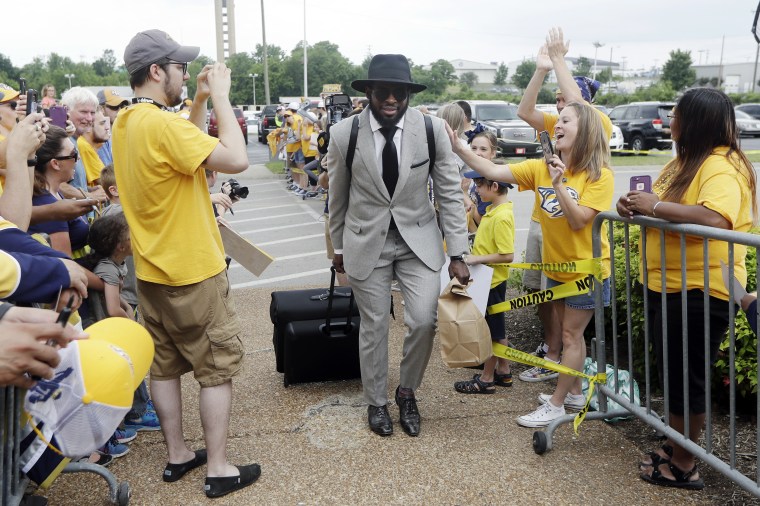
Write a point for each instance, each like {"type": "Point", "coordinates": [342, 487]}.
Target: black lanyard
{"type": "Point", "coordinates": [146, 100]}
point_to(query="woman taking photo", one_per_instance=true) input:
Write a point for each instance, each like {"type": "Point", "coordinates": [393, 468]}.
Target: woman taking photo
{"type": "Point", "coordinates": [570, 191]}
{"type": "Point", "coordinates": [711, 183]}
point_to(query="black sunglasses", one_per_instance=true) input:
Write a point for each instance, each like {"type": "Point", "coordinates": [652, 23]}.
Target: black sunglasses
{"type": "Point", "coordinates": [74, 155]}
{"type": "Point", "coordinates": [12, 104]}
{"type": "Point", "coordinates": [400, 93]}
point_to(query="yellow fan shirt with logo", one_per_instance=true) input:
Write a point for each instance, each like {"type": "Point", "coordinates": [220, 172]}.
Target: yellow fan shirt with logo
{"type": "Point", "coordinates": [720, 187]}
{"type": "Point", "coordinates": [561, 243]}
{"type": "Point", "coordinates": [158, 159]}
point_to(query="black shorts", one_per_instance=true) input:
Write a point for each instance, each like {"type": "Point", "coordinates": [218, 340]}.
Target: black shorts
{"type": "Point", "coordinates": [696, 344]}
{"type": "Point", "coordinates": [495, 321]}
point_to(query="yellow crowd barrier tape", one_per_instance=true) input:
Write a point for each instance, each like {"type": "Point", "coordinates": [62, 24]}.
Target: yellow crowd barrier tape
{"type": "Point", "coordinates": [592, 266]}
{"type": "Point", "coordinates": [501, 351]}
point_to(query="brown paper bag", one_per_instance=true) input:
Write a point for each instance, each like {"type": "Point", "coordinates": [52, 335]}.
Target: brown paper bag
{"type": "Point", "coordinates": [462, 328]}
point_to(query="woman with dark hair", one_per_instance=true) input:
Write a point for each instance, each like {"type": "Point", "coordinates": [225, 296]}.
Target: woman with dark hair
{"type": "Point", "coordinates": [55, 165]}
{"type": "Point", "coordinates": [571, 190]}
{"type": "Point", "coordinates": [710, 182]}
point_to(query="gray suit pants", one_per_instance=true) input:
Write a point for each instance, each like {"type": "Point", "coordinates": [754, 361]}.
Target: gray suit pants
{"type": "Point", "coordinates": [420, 286]}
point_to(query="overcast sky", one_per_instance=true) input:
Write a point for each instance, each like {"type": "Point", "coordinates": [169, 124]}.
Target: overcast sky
{"type": "Point", "coordinates": [640, 33]}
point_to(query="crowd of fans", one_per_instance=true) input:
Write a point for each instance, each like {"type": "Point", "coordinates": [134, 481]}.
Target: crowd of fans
{"type": "Point", "coordinates": [64, 234]}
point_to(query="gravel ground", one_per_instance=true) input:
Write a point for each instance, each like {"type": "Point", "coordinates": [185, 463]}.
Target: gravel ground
{"type": "Point", "coordinates": [315, 449]}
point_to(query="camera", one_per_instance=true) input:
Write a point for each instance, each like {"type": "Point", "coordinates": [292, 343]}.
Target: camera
{"type": "Point", "coordinates": [338, 106]}
{"type": "Point", "coordinates": [237, 191]}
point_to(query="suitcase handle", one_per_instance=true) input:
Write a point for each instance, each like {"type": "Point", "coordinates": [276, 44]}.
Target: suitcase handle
{"type": "Point", "coordinates": [348, 324]}
{"type": "Point", "coordinates": [337, 330]}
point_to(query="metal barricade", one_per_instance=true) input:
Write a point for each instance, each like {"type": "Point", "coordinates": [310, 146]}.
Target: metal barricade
{"type": "Point", "coordinates": [728, 467]}
{"type": "Point", "coordinates": [13, 481]}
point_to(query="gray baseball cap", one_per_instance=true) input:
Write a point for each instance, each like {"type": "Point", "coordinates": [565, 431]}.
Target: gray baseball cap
{"type": "Point", "coordinates": [151, 46]}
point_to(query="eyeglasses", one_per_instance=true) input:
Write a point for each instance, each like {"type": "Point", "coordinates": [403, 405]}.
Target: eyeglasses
{"type": "Point", "coordinates": [117, 107]}
{"type": "Point", "coordinates": [74, 155]}
{"type": "Point", "coordinates": [12, 104]}
{"type": "Point", "coordinates": [672, 114]}
{"type": "Point", "coordinates": [172, 62]}
{"type": "Point", "coordinates": [400, 93]}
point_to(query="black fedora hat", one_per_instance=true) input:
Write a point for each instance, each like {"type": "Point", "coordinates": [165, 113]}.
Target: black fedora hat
{"type": "Point", "coordinates": [388, 68]}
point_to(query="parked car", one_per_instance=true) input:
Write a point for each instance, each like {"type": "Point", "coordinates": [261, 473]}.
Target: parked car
{"type": "Point", "coordinates": [751, 109]}
{"type": "Point", "coordinates": [550, 108]}
{"type": "Point", "coordinates": [514, 136]}
{"type": "Point", "coordinates": [746, 124]}
{"type": "Point", "coordinates": [645, 125]}
{"type": "Point", "coordinates": [617, 141]}
{"type": "Point", "coordinates": [213, 127]}
{"type": "Point", "coordinates": [266, 121]}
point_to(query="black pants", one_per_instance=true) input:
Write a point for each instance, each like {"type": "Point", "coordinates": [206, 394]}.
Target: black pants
{"type": "Point", "coordinates": [718, 313]}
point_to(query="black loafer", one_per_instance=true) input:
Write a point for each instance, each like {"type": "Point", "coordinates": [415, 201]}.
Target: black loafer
{"type": "Point", "coordinates": [217, 487]}
{"type": "Point", "coordinates": [409, 415]}
{"type": "Point", "coordinates": [380, 420]}
{"type": "Point", "coordinates": [173, 472]}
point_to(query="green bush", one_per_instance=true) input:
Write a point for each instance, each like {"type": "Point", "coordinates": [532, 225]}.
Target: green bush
{"type": "Point", "coordinates": [746, 341]}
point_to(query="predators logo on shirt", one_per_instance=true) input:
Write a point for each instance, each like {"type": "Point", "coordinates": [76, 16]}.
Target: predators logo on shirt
{"type": "Point", "coordinates": [549, 202]}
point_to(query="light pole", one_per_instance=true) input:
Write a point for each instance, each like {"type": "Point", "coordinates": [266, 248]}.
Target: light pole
{"type": "Point", "coordinates": [254, 76]}
{"type": "Point", "coordinates": [597, 45]}
{"type": "Point", "coordinates": [305, 67]}
{"type": "Point", "coordinates": [69, 77]}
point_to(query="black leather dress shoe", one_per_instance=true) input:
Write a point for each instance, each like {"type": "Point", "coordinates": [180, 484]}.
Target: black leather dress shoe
{"type": "Point", "coordinates": [408, 414]}
{"type": "Point", "coordinates": [380, 420]}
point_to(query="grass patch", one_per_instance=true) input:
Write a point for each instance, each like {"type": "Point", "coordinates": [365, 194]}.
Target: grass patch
{"type": "Point", "coordinates": [276, 166]}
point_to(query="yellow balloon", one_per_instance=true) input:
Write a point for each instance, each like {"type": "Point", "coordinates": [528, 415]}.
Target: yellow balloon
{"type": "Point", "coordinates": [131, 337]}
{"type": "Point", "coordinates": [106, 374]}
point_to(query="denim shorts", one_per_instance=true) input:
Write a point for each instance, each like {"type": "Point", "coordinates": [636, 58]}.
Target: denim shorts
{"type": "Point", "coordinates": [298, 157]}
{"type": "Point", "coordinates": [584, 300]}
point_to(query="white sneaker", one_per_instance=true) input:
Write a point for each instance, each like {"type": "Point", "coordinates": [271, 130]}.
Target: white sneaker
{"type": "Point", "coordinates": [537, 373]}
{"type": "Point", "coordinates": [572, 401]}
{"type": "Point", "coordinates": [543, 416]}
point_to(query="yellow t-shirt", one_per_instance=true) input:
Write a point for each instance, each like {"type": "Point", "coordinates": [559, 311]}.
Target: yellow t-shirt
{"type": "Point", "coordinates": [92, 162]}
{"type": "Point", "coordinates": [560, 242]}
{"type": "Point", "coordinates": [496, 234]}
{"type": "Point", "coordinates": [306, 131]}
{"type": "Point", "coordinates": [721, 187]}
{"type": "Point", "coordinates": [550, 121]}
{"type": "Point", "coordinates": [158, 159]}
{"type": "Point", "coordinates": [292, 148]}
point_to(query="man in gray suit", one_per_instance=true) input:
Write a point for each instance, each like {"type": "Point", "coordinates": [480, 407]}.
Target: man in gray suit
{"type": "Point", "coordinates": [383, 226]}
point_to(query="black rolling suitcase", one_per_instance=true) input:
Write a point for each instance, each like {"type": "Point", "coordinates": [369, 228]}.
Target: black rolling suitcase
{"type": "Point", "coordinates": [316, 334]}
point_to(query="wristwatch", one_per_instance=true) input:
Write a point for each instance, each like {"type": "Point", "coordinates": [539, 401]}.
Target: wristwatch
{"type": "Point", "coordinates": [31, 162]}
{"type": "Point", "coordinates": [459, 258]}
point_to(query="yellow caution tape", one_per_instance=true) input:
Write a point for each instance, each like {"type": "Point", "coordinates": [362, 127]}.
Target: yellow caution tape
{"type": "Point", "coordinates": [591, 266]}
{"type": "Point", "coordinates": [501, 351]}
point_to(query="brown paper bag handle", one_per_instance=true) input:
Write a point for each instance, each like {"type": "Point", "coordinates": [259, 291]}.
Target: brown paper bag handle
{"type": "Point", "coordinates": [458, 288]}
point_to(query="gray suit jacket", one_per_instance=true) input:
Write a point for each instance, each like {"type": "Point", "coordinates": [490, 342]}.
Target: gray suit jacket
{"type": "Point", "coordinates": [361, 209]}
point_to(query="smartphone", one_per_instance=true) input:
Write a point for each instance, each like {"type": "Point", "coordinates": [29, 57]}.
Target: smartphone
{"type": "Point", "coordinates": [641, 184]}
{"type": "Point", "coordinates": [31, 102]}
{"type": "Point", "coordinates": [58, 115]}
{"type": "Point", "coordinates": [546, 145]}
{"type": "Point", "coordinates": [21, 86]}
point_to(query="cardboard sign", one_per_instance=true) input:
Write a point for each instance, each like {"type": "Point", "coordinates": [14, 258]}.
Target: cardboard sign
{"type": "Point", "coordinates": [244, 252]}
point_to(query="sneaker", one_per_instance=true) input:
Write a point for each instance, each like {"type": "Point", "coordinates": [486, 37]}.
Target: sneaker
{"type": "Point", "coordinates": [311, 195]}
{"type": "Point", "coordinates": [147, 422]}
{"type": "Point", "coordinates": [572, 401]}
{"type": "Point", "coordinates": [536, 374]}
{"type": "Point", "coordinates": [125, 435]}
{"type": "Point", "coordinates": [543, 416]}
{"type": "Point", "coordinates": [114, 448]}
{"type": "Point", "coordinates": [540, 351]}
{"type": "Point", "coordinates": [149, 406]}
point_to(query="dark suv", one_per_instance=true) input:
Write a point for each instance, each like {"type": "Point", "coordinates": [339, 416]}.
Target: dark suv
{"type": "Point", "coordinates": [513, 135]}
{"type": "Point", "coordinates": [213, 127]}
{"type": "Point", "coordinates": [645, 125]}
{"type": "Point", "coordinates": [266, 121]}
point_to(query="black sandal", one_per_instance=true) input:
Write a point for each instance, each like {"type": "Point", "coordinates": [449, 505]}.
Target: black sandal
{"type": "Point", "coordinates": [475, 386]}
{"type": "Point", "coordinates": [656, 458]}
{"type": "Point", "coordinates": [502, 380]}
{"type": "Point", "coordinates": [682, 478]}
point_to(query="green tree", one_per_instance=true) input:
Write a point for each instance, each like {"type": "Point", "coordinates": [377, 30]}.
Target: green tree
{"type": "Point", "coordinates": [582, 67]}
{"type": "Point", "coordinates": [7, 71]}
{"type": "Point", "coordinates": [546, 96]}
{"type": "Point", "coordinates": [469, 79]}
{"type": "Point", "coordinates": [328, 66]}
{"type": "Point", "coordinates": [677, 70]}
{"type": "Point", "coordinates": [106, 64]}
{"type": "Point", "coordinates": [604, 76]}
{"type": "Point", "coordinates": [194, 69]}
{"type": "Point", "coordinates": [523, 73]}
{"type": "Point", "coordinates": [500, 79]}
{"type": "Point", "coordinates": [242, 65]}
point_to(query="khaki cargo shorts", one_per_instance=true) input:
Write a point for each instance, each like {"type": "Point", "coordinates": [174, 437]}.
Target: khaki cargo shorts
{"type": "Point", "coordinates": [194, 328]}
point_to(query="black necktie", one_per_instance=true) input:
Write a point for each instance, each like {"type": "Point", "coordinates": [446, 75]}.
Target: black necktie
{"type": "Point", "coordinates": [390, 160]}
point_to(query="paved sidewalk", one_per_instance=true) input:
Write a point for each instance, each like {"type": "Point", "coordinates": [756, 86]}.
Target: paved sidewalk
{"type": "Point", "coordinates": [315, 448]}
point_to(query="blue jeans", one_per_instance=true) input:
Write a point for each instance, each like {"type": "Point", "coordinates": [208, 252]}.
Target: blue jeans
{"type": "Point", "coordinates": [584, 300]}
